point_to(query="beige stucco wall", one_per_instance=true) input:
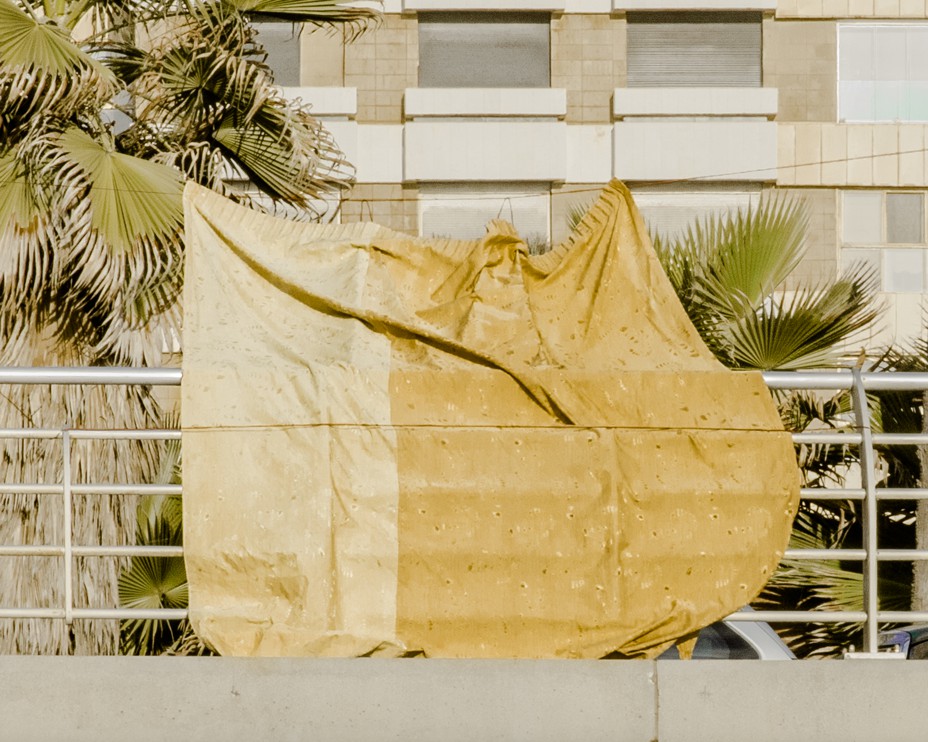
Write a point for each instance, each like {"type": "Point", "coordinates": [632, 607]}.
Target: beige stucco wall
{"type": "Point", "coordinates": [800, 58]}
{"type": "Point", "coordinates": [821, 258]}
{"type": "Point", "coordinates": [381, 64]}
{"type": "Point", "coordinates": [588, 59]}
{"type": "Point", "coordinates": [322, 57]}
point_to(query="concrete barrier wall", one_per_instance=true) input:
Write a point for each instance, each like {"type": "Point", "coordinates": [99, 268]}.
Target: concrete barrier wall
{"type": "Point", "coordinates": [98, 699]}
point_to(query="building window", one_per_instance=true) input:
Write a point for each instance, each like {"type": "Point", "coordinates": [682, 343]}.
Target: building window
{"type": "Point", "coordinates": [281, 41]}
{"type": "Point", "coordinates": [694, 49]}
{"type": "Point", "coordinates": [484, 50]}
{"type": "Point", "coordinates": [670, 211]}
{"type": "Point", "coordinates": [883, 72]}
{"type": "Point", "coordinates": [886, 231]}
{"type": "Point", "coordinates": [462, 211]}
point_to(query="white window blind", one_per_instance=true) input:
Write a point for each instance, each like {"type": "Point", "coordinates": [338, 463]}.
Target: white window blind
{"type": "Point", "coordinates": [694, 49]}
{"type": "Point", "coordinates": [484, 50]}
{"type": "Point", "coordinates": [670, 213]}
{"type": "Point", "coordinates": [883, 72]}
{"type": "Point", "coordinates": [462, 211]}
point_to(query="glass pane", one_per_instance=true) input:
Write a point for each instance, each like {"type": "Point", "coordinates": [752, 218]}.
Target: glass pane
{"type": "Point", "coordinates": [863, 218]}
{"type": "Point", "coordinates": [462, 212]}
{"type": "Point", "coordinates": [916, 48]}
{"type": "Point", "coordinates": [484, 50]}
{"type": "Point", "coordinates": [904, 271]}
{"type": "Point", "coordinates": [855, 44]}
{"type": "Point", "coordinates": [282, 43]}
{"type": "Point", "coordinates": [670, 214]}
{"type": "Point", "coordinates": [854, 258]}
{"type": "Point", "coordinates": [857, 100]}
{"type": "Point", "coordinates": [889, 55]}
{"type": "Point", "coordinates": [905, 218]}
{"type": "Point", "coordinates": [719, 642]}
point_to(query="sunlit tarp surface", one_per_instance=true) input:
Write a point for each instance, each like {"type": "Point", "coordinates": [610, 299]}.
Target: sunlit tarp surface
{"type": "Point", "coordinates": [397, 445]}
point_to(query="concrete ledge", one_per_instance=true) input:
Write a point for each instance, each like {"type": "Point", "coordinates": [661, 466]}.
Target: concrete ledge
{"type": "Point", "coordinates": [714, 102]}
{"type": "Point", "coordinates": [410, 5]}
{"type": "Point", "coordinates": [485, 150]}
{"type": "Point", "coordinates": [618, 5]}
{"type": "Point", "coordinates": [70, 699]}
{"type": "Point", "coordinates": [99, 699]}
{"type": "Point", "coordinates": [508, 102]}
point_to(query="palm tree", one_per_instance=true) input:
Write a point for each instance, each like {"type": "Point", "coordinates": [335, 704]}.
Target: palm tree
{"type": "Point", "coordinates": [91, 234]}
{"type": "Point", "coordinates": [730, 273]}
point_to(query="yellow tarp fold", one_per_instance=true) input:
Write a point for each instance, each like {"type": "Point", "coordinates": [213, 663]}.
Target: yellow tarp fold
{"type": "Point", "coordinates": [400, 445]}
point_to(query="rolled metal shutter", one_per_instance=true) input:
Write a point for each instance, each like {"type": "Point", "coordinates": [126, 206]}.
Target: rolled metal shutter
{"type": "Point", "coordinates": [699, 49]}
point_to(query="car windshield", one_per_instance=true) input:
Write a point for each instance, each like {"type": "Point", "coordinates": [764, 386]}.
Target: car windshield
{"type": "Point", "coordinates": [717, 642]}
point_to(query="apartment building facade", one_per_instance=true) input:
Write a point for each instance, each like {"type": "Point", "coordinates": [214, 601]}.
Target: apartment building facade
{"type": "Point", "coordinates": [459, 111]}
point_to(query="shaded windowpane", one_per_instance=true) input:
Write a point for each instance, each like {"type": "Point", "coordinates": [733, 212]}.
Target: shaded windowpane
{"type": "Point", "coordinates": [462, 212]}
{"type": "Point", "coordinates": [694, 49]}
{"type": "Point", "coordinates": [670, 214]}
{"type": "Point", "coordinates": [852, 259]}
{"type": "Point", "coordinates": [904, 271]}
{"type": "Point", "coordinates": [905, 218]}
{"type": "Point", "coordinates": [282, 43]}
{"type": "Point", "coordinates": [477, 50]}
{"type": "Point", "coordinates": [863, 218]}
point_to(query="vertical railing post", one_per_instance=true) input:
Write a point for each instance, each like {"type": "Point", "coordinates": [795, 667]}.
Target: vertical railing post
{"type": "Point", "coordinates": [867, 478]}
{"type": "Point", "coordinates": [68, 557]}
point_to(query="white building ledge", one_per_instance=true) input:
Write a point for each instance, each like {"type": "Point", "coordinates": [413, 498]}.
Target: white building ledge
{"type": "Point", "coordinates": [760, 102]}
{"type": "Point", "coordinates": [715, 150]}
{"type": "Point", "coordinates": [625, 5]}
{"type": "Point", "coordinates": [341, 102]}
{"type": "Point", "coordinates": [485, 150]}
{"type": "Point", "coordinates": [485, 102]}
{"type": "Point", "coordinates": [553, 5]}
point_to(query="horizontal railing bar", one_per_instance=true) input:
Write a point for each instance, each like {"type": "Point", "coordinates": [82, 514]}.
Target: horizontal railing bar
{"type": "Point", "coordinates": [166, 614]}
{"type": "Point", "coordinates": [30, 433]}
{"type": "Point", "coordinates": [900, 439]}
{"type": "Point", "coordinates": [127, 489]}
{"type": "Point", "coordinates": [856, 493]}
{"type": "Point", "coordinates": [808, 379]}
{"type": "Point", "coordinates": [799, 616]}
{"type": "Point", "coordinates": [128, 435]}
{"type": "Point", "coordinates": [831, 439]}
{"type": "Point", "coordinates": [902, 555]}
{"type": "Point", "coordinates": [92, 489]}
{"type": "Point", "coordinates": [119, 435]}
{"type": "Point", "coordinates": [15, 488]}
{"type": "Point", "coordinates": [90, 375]}
{"type": "Point", "coordinates": [829, 493]}
{"type": "Point", "coordinates": [902, 616]}
{"type": "Point", "coordinates": [27, 550]}
{"type": "Point", "coordinates": [847, 555]}
{"type": "Point", "coordinates": [902, 493]}
{"type": "Point", "coordinates": [841, 379]}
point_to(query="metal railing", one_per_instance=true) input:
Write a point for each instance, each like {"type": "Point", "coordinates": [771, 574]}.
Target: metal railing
{"type": "Point", "coordinates": [861, 435]}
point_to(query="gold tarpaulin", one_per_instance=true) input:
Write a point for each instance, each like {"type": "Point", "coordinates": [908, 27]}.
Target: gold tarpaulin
{"type": "Point", "coordinates": [398, 445]}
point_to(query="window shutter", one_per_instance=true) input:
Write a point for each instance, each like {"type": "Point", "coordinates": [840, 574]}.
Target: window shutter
{"type": "Point", "coordinates": [484, 50]}
{"type": "Point", "coordinates": [694, 50]}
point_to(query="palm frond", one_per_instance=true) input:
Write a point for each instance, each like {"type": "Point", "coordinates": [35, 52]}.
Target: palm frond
{"type": "Point", "coordinates": [804, 330]}
{"type": "Point", "coordinates": [133, 199]}
{"type": "Point", "coordinates": [349, 14]}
